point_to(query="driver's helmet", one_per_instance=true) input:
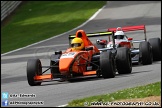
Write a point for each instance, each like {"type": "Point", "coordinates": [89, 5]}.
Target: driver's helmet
{"type": "Point", "coordinates": [77, 44]}
{"type": "Point", "coordinates": [119, 34]}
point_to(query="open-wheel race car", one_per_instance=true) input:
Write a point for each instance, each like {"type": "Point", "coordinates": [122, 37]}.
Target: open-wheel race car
{"type": "Point", "coordinates": [145, 53]}
{"type": "Point", "coordinates": [76, 63]}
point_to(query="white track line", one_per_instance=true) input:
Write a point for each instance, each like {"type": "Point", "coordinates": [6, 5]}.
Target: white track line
{"type": "Point", "coordinates": [62, 105]}
{"type": "Point", "coordinates": [28, 55]}
{"type": "Point", "coordinates": [57, 35]}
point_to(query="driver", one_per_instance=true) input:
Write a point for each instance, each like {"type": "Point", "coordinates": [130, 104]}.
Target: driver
{"type": "Point", "coordinates": [77, 44]}
{"type": "Point", "coordinates": [119, 35]}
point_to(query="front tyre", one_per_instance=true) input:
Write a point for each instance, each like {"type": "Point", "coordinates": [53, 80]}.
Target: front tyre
{"type": "Point", "coordinates": [123, 60]}
{"type": "Point", "coordinates": [34, 67]}
{"type": "Point", "coordinates": [107, 64]}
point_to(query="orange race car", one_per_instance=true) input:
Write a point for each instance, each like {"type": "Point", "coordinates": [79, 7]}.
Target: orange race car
{"type": "Point", "coordinates": [82, 59]}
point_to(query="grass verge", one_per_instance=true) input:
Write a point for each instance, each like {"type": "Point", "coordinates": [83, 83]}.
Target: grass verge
{"type": "Point", "coordinates": [153, 89]}
{"type": "Point", "coordinates": [38, 20]}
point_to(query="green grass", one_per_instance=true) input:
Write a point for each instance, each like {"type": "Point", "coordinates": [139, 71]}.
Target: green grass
{"type": "Point", "coordinates": [38, 20]}
{"type": "Point", "coordinates": [153, 89]}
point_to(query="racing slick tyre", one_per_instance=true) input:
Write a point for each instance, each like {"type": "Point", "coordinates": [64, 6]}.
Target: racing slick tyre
{"type": "Point", "coordinates": [34, 67]}
{"type": "Point", "coordinates": [156, 48]}
{"type": "Point", "coordinates": [123, 60]}
{"type": "Point", "coordinates": [107, 64]}
{"type": "Point", "coordinates": [145, 53]}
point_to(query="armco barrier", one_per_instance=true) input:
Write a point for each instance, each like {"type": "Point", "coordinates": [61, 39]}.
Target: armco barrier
{"type": "Point", "coordinates": [7, 7]}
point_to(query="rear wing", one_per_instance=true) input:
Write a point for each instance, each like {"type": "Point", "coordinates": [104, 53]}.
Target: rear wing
{"type": "Point", "coordinates": [131, 28]}
{"type": "Point", "coordinates": [93, 34]}
{"type": "Point", "coordinates": [96, 34]}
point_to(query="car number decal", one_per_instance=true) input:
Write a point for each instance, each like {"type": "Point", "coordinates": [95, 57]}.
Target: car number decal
{"type": "Point", "coordinates": [68, 55]}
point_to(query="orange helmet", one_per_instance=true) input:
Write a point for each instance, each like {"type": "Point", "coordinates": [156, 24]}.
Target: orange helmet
{"type": "Point", "coordinates": [77, 44]}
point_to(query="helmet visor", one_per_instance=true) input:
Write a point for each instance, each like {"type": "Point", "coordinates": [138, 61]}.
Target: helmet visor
{"type": "Point", "coordinates": [119, 36]}
{"type": "Point", "coordinates": [75, 45]}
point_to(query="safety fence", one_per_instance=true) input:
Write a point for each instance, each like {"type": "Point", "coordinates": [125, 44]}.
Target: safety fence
{"type": "Point", "coordinates": [7, 7]}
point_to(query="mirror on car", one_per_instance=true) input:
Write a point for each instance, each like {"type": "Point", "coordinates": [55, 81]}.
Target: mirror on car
{"type": "Point", "coordinates": [130, 39]}
{"type": "Point", "coordinates": [58, 52]}
{"type": "Point", "coordinates": [101, 42]}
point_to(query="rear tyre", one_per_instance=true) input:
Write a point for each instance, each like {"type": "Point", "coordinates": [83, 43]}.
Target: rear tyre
{"type": "Point", "coordinates": [123, 60]}
{"type": "Point", "coordinates": [107, 64]}
{"type": "Point", "coordinates": [156, 48]}
{"type": "Point", "coordinates": [145, 53]}
{"type": "Point", "coordinates": [34, 67]}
